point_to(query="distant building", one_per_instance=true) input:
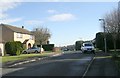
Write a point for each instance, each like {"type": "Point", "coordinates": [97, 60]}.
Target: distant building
{"type": "Point", "coordinates": [71, 47]}
{"type": "Point", "coordinates": [68, 48]}
{"type": "Point", "coordinates": [13, 33]}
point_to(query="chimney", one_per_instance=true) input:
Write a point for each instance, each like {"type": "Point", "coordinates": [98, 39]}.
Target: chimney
{"type": "Point", "coordinates": [22, 26]}
{"type": "Point", "coordinates": [48, 42]}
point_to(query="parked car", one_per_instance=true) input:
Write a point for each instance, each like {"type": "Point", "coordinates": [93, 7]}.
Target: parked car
{"type": "Point", "coordinates": [88, 47]}
{"type": "Point", "coordinates": [66, 49]}
{"type": "Point", "coordinates": [31, 50]}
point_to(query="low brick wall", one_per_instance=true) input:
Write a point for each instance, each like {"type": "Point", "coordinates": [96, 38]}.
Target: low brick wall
{"type": "Point", "coordinates": [56, 49]}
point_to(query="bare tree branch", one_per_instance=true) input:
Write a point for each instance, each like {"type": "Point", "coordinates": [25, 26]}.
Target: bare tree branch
{"type": "Point", "coordinates": [112, 25]}
{"type": "Point", "coordinates": [41, 35]}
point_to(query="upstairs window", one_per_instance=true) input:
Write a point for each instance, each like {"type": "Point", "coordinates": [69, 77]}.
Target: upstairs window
{"type": "Point", "coordinates": [31, 37]}
{"type": "Point", "coordinates": [19, 35]}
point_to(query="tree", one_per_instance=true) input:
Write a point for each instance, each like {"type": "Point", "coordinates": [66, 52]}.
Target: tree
{"type": "Point", "coordinates": [100, 41]}
{"type": "Point", "coordinates": [41, 35]}
{"type": "Point", "coordinates": [78, 45]}
{"type": "Point", "coordinates": [112, 25]}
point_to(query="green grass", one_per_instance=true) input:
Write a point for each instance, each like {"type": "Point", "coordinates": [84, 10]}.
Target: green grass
{"type": "Point", "coordinates": [24, 56]}
{"type": "Point", "coordinates": [117, 61]}
{"type": "Point", "coordinates": [116, 58]}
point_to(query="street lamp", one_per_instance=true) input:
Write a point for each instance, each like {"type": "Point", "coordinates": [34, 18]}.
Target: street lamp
{"type": "Point", "coordinates": [119, 16]}
{"type": "Point", "coordinates": [104, 34]}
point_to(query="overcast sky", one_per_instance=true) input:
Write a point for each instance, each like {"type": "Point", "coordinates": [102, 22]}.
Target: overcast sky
{"type": "Point", "coordinates": [67, 21]}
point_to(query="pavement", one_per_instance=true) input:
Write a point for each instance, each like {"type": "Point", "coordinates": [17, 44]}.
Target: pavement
{"type": "Point", "coordinates": [103, 65]}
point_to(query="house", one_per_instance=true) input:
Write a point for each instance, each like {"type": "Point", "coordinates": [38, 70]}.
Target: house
{"type": "Point", "coordinates": [13, 33]}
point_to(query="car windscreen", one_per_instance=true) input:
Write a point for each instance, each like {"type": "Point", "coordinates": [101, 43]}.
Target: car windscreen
{"type": "Point", "coordinates": [33, 48]}
{"type": "Point", "coordinates": [88, 45]}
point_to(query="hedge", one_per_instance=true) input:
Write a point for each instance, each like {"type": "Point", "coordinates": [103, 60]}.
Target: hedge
{"type": "Point", "coordinates": [109, 38]}
{"type": "Point", "coordinates": [13, 48]}
{"type": "Point", "coordinates": [78, 45]}
{"type": "Point", "coordinates": [47, 47]}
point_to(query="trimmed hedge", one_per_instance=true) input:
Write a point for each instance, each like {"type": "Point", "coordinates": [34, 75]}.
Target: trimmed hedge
{"type": "Point", "coordinates": [13, 48]}
{"type": "Point", "coordinates": [78, 45]}
{"type": "Point", "coordinates": [109, 38]}
{"type": "Point", "coordinates": [48, 47]}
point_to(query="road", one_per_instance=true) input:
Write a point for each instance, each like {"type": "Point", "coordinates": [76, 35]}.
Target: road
{"type": "Point", "coordinates": [68, 64]}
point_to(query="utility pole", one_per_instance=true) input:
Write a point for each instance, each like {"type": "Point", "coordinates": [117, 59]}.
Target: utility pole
{"type": "Point", "coordinates": [104, 34]}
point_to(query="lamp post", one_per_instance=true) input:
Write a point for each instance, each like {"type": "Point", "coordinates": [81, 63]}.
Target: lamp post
{"type": "Point", "coordinates": [119, 16]}
{"type": "Point", "coordinates": [104, 34]}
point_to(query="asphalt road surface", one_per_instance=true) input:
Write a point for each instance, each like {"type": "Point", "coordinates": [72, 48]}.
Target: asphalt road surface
{"type": "Point", "coordinates": [68, 64]}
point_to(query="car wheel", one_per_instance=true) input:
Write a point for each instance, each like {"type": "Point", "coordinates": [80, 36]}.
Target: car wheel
{"type": "Point", "coordinates": [93, 52]}
{"type": "Point", "coordinates": [36, 51]}
{"type": "Point", "coordinates": [84, 52]}
{"type": "Point", "coordinates": [24, 52]}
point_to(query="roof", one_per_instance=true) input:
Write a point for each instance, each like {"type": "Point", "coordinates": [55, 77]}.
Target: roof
{"type": "Point", "coordinates": [16, 29]}
{"type": "Point", "coordinates": [25, 41]}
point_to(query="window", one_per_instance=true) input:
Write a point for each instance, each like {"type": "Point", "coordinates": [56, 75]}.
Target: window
{"type": "Point", "coordinates": [19, 35]}
{"type": "Point", "coordinates": [88, 44]}
{"type": "Point", "coordinates": [31, 37]}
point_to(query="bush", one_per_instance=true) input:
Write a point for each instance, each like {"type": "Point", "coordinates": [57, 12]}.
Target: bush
{"type": "Point", "coordinates": [13, 48]}
{"type": "Point", "coordinates": [18, 52]}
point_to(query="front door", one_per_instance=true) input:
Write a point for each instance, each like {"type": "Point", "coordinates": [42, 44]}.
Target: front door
{"type": "Point", "coordinates": [29, 45]}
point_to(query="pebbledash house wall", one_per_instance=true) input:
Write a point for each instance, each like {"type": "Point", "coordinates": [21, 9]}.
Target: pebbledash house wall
{"type": "Point", "coordinates": [2, 49]}
{"type": "Point", "coordinates": [0, 34]}
{"type": "Point", "coordinates": [25, 37]}
{"type": "Point", "coordinates": [1, 44]}
{"type": "Point", "coordinates": [5, 36]}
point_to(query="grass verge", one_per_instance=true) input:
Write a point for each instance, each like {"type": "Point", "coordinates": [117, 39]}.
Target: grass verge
{"type": "Point", "coordinates": [25, 56]}
{"type": "Point", "coordinates": [116, 58]}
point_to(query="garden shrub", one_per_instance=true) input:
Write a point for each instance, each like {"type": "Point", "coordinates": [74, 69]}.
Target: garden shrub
{"type": "Point", "coordinates": [13, 48]}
